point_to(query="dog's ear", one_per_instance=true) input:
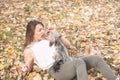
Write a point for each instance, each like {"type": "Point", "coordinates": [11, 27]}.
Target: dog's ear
{"type": "Point", "coordinates": [51, 43]}
{"type": "Point", "coordinates": [51, 38]}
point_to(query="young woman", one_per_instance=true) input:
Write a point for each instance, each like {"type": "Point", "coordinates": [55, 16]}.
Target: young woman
{"type": "Point", "coordinates": [37, 50]}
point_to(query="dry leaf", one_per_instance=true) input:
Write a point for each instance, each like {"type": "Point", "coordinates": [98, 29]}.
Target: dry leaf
{"type": "Point", "coordinates": [1, 66]}
{"type": "Point", "coordinates": [51, 79]}
{"type": "Point", "coordinates": [118, 48]}
{"type": "Point", "coordinates": [4, 36]}
{"type": "Point", "coordinates": [37, 77]}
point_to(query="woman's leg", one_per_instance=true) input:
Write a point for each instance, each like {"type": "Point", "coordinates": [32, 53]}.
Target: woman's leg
{"type": "Point", "coordinates": [99, 64]}
{"type": "Point", "coordinates": [69, 70]}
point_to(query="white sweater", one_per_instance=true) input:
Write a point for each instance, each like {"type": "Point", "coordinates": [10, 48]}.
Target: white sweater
{"type": "Point", "coordinates": [44, 54]}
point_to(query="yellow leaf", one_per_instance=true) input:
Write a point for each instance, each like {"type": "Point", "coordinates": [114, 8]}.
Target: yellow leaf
{"type": "Point", "coordinates": [99, 75]}
{"type": "Point", "coordinates": [77, 17]}
{"type": "Point", "coordinates": [54, 15]}
{"type": "Point", "coordinates": [107, 8]}
{"type": "Point", "coordinates": [11, 48]}
{"type": "Point", "coordinates": [37, 77]}
{"type": "Point", "coordinates": [11, 25]}
{"type": "Point", "coordinates": [114, 57]}
{"type": "Point", "coordinates": [116, 61]}
{"type": "Point", "coordinates": [1, 66]}
{"type": "Point", "coordinates": [31, 75]}
{"type": "Point", "coordinates": [4, 36]}
{"type": "Point", "coordinates": [51, 78]}
{"type": "Point", "coordinates": [83, 44]}
{"type": "Point", "coordinates": [9, 53]}
{"type": "Point", "coordinates": [47, 0]}
{"type": "Point", "coordinates": [60, 16]}
{"type": "Point", "coordinates": [18, 67]}
{"type": "Point", "coordinates": [117, 47]}
{"type": "Point", "coordinates": [78, 1]}
{"type": "Point", "coordinates": [2, 59]}
{"type": "Point", "coordinates": [36, 68]}
{"type": "Point", "coordinates": [13, 69]}
{"type": "Point", "coordinates": [5, 12]}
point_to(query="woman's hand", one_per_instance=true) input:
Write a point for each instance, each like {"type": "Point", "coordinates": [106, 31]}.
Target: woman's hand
{"type": "Point", "coordinates": [65, 41]}
{"type": "Point", "coordinates": [50, 28]}
{"type": "Point", "coordinates": [25, 68]}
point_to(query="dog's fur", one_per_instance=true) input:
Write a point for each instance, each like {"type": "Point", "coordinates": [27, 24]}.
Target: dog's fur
{"type": "Point", "coordinates": [62, 55]}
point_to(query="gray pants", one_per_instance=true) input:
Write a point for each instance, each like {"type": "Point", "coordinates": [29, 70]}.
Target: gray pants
{"type": "Point", "coordinates": [79, 66]}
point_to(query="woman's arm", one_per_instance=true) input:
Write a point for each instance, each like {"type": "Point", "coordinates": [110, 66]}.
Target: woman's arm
{"type": "Point", "coordinates": [28, 58]}
{"type": "Point", "coordinates": [65, 41]}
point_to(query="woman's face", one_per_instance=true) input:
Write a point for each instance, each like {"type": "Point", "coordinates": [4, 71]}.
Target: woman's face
{"type": "Point", "coordinates": [39, 33]}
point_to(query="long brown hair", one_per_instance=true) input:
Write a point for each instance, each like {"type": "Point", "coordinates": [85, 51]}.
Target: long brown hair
{"type": "Point", "coordinates": [30, 31]}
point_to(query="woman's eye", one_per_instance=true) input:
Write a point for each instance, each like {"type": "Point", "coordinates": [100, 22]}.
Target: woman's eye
{"type": "Point", "coordinates": [39, 30]}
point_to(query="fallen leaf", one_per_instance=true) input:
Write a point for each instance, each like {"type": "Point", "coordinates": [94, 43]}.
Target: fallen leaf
{"type": "Point", "coordinates": [37, 77]}
{"type": "Point", "coordinates": [51, 78]}
{"type": "Point", "coordinates": [118, 47]}
{"type": "Point", "coordinates": [1, 66]}
{"type": "Point", "coordinates": [4, 36]}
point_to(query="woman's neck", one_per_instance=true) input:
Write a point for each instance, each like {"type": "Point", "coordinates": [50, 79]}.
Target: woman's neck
{"type": "Point", "coordinates": [37, 40]}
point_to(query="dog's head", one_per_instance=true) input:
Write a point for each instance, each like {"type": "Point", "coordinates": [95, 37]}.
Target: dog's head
{"type": "Point", "coordinates": [53, 35]}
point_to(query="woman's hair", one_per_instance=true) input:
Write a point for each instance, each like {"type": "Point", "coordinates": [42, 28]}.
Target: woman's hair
{"type": "Point", "coordinates": [30, 31]}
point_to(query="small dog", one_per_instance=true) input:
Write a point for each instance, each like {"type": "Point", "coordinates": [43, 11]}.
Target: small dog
{"type": "Point", "coordinates": [62, 55]}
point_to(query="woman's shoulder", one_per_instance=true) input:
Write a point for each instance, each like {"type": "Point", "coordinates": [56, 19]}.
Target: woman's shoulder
{"type": "Point", "coordinates": [27, 50]}
{"type": "Point", "coordinates": [36, 45]}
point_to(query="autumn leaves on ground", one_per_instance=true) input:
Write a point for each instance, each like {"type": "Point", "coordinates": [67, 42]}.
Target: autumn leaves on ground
{"type": "Point", "coordinates": [92, 26]}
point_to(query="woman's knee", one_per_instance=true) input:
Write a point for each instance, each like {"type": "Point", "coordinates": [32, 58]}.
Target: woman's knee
{"type": "Point", "coordinates": [97, 58]}
{"type": "Point", "coordinates": [80, 62]}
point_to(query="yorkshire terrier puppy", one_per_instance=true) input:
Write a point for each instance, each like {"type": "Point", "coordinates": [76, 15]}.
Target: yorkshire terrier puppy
{"type": "Point", "coordinates": [61, 53]}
